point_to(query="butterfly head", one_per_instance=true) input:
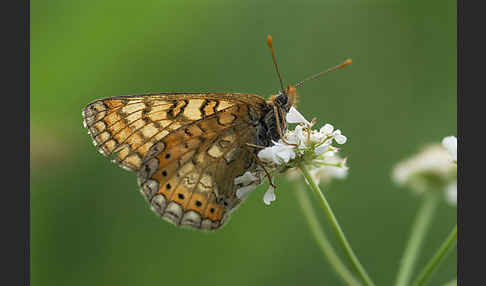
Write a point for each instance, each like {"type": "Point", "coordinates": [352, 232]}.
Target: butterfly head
{"type": "Point", "coordinates": [285, 99]}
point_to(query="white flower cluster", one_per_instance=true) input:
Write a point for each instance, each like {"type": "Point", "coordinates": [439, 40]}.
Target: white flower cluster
{"type": "Point", "coordinates": [434, 167]}
{"type": "Point", "coordinates": [301, 145]}
{"type": "Point", "coordinates": [302, 141]}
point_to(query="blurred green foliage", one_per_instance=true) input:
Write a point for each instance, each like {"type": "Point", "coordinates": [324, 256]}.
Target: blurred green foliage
{"type": "Point", "coordinates": [89, 224]}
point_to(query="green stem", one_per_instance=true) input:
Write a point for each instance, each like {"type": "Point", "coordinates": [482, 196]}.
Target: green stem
{"type": "Point", "coordinates": [335, 225]}
{"type": "Point", "coordinates": [419, 229]}
{"type": "Point", "coordinates": [434, 262]}
{"type": "Point", "coordinates": [322, 240]}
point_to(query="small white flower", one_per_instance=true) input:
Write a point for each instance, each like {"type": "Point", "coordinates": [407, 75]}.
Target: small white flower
{"type": "Point", "coordinates": [340, 139]}
{"type": "Point", "coordinates": [284, 153]}
{"type": "Point", "coordinates": [268, 154]}
{"type": "Point", "coordinates": [316, 136]}
{"type": "Point", "coordinates": [296, 137]}
{"type": "Point", "coordinates": [269, 196]}
{"type": "Point", "coordinates": [248, 182]}
{"type": "Point", "coordinates": [332, 167]}
{"type": "Point", "coordinates": [327, 129]}
{"type": "Point", "coordinates": [450, 143]}
{"type": "Point", "coordinates": [246, 179]}
{"type": "Point", "coordinates": [322, 148]}
{"type": "Point", "coordinates": [278, 153]}
{"type": "Point", "coordinates": [294, 116]}
{"type": "Point", "coordinates": [451, 193]}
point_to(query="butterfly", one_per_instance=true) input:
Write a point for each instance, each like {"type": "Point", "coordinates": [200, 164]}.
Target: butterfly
{"type": "Point", "coordinates": [188, 148]}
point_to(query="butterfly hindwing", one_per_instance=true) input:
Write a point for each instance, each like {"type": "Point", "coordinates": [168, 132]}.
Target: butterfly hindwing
{"type": "Point", "coordinates": [131, 125]}
{"type": "Point", "coordinates": [188, 177]}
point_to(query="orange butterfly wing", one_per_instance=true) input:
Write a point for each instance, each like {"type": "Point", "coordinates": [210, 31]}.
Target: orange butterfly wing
{"type": "Point", "coordinates": [187, 153]}
{"type": "Point", "coordinates": [128, 126]}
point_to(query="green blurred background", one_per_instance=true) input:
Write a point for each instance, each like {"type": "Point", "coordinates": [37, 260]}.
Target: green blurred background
{"type": "Point", "coordinates": [90, 225]}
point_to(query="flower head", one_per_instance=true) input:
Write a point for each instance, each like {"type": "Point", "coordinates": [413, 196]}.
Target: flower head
{"type": "Point", "coordinates": [304, 142]}
{"type": "Point", "coordinates": [429, 169]}
{"type": "Point", "coordinates": [303, 145]}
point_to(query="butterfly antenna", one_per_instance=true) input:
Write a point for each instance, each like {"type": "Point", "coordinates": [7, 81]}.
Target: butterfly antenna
{"type": "Point", "coordinates": [346, 63]}
{"type": "Point", "coordinates": [270, 45]}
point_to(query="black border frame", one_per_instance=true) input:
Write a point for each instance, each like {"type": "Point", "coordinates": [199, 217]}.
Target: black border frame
{"type": "Point", "coordinates": [460, 137]}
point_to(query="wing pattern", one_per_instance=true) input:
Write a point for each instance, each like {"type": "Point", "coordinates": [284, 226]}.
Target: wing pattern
{"type": "Point", "coordinates": [127, 127]}
{"type": "Point", "coordinates": [187, 149]}
{"type": "Point", "coordinates": [188, 177]}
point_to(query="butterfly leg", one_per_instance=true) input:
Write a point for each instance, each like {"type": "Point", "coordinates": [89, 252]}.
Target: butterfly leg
{"type": "Point", "coordinates": [277, 119]}
{"type": "Point", "coordinates": [255, 146]}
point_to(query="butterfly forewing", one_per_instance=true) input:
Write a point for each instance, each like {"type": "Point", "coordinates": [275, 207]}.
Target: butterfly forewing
{"type": "Point", "coordinates": [131, 125]}
{"type": "Point", "coordinates": [187, 149]}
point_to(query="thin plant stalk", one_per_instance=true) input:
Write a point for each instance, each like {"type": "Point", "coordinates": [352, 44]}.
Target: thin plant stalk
{"type": "Point", "coordinates": [434, 262]}
{"type": "Point", "coordinates": [343, 272]}
{"type": "Point", "coordinates": [336, 227]}
{"type": "Point", "coordinates": [419, 229]}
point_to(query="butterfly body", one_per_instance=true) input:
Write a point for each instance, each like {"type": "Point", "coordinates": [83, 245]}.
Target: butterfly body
{"type": "Point", "coordinates": [268, 127]}
{"type": "Point", "coordinates": [187, 148]}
